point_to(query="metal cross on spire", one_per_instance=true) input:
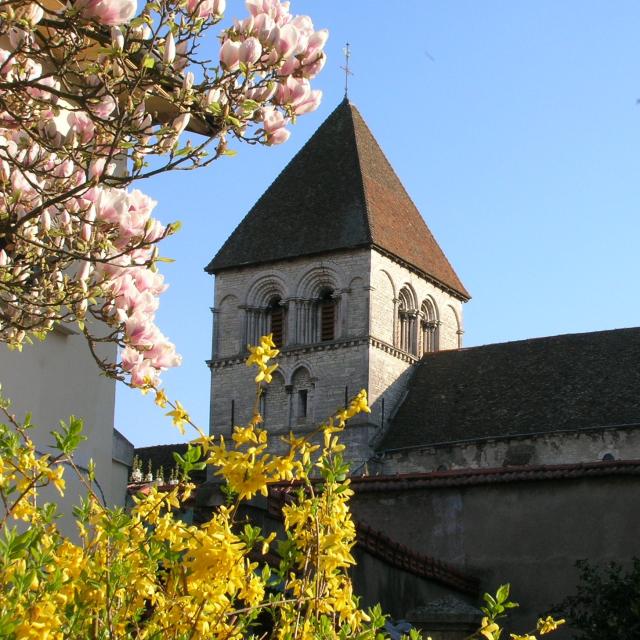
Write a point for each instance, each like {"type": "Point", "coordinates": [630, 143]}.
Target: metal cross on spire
{"type": "Point", "coordinates": [346, 69]}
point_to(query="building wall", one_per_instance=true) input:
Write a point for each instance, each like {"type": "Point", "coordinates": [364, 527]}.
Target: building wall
{"type": "Point", "coordinates": [552, 448]}
{"type": "Point", "coordinates": [388, 278]}
{"type": "Point", "coordinates": [390, 367]}
{"type": "Point", "coordinates": [54, 380]}
{"type": "Point", "coordinates": [529, 534]}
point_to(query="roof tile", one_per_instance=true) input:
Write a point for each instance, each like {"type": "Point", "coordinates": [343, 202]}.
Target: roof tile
{"type": "Point", "coordinates": [339, 192]}
{"type": "Point", "coordinates": [560, 383]}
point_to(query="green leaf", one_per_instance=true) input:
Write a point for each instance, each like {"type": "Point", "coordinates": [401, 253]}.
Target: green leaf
{"type": "Point", "coordinates": [503, 593]}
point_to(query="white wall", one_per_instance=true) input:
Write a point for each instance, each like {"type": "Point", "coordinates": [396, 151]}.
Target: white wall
{"type": "Point", "coordinates": [56, 379]}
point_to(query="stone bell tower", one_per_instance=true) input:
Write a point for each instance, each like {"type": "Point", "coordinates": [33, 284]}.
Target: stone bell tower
{"type": "Point", "coordinates": [336, 261]}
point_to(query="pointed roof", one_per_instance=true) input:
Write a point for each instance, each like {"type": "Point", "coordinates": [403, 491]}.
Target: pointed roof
{"type": "Point", "coordinates": [339, 192]}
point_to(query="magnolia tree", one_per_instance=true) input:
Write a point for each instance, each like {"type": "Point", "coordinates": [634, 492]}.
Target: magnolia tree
{"type": "Point", "coordinates": [94, 95]}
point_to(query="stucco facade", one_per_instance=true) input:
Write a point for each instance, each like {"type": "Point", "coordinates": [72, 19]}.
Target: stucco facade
{"type": "Point", "coordinates": [54, 380]}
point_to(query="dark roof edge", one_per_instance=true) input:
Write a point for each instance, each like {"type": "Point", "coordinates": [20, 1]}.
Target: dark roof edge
{"type": "Point", "coordinates": [411, 267]}
{"type": "Point", "coordinates": [367, 245]}
{"type": "Point", "coordinates": [495, 475]}
{"type": "Point", "coordinates": [244, 265]}
{"type": "Point", "coordinates": [540, 339]}
{"type": "Point", "coordinates": [162, 447]}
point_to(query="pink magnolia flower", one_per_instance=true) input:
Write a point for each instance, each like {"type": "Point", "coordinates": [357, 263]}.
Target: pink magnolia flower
{"type": "Point", "coordinates": [103, 107]}
{"type": "Point", "coordinates": [32, 13]}
{"type": "Point", "coordinates": [317, 41]}
{"type": "Point", "coordinates": [274, 124]}
{"type": "Point", "coordinates": [279, 11]}
{"type": "Point", "coordinates": [130, 358]}
{"type": "Point", "coordinates": [162, 355]}
{"type": "Point", "coordinates": [287, 40]}
{"type": "Point", "coordinates": [250, 51]}
{"type": "Point", "coordinates": [109, 12]}
{"type": "Point", "coordinates": [265, 29]}
{"type": "Point", "coordinates": [311, 70]}
{"type": "Point", "coordinates": [81, 125]}
{"type": "Point", "coordinates": [180, 123]}
{"type": "Point", "coordinates": [206, 8]}
{"type": "Point", "coordinates": [230, 55]}
{"type": "Point", "coordinates": [309, 104]}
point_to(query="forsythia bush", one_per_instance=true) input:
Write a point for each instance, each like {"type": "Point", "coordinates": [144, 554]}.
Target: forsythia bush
{"type": "Point", "coordinates": [144, 573]}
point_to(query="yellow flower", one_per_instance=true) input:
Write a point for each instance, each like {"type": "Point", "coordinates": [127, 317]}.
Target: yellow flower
{"type": "Point", "coordinates": [548, 624]}
{"type": "Point", "coordinates": [180, 417]}
{"type": "Point", "coordinates": [527, 636]}
{"type": "Point", "coordinates": [161, 398]}
{"type": "Point", "coordinates": [488, 629]}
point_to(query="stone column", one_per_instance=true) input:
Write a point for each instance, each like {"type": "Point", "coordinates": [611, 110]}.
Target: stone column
{"type": "Point", "coordinates": [214, 333]}
{"type": "Point", "coordinates": [396, 328]}
{"type": "Point", "coordinates": [246, 334]}
{"type": "Point", "coordinates": [292, 321]}
{"type": "Point", "coordinates": [342, 318]}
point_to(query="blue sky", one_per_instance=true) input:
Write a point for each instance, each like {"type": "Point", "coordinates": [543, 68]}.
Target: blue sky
{"type": "Point", "coordinates": [514, 127]}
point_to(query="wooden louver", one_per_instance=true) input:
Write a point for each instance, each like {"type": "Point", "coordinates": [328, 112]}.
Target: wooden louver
{"type": "Point", "coordinates": [277, 325]}
{"type": "Point", "coordinates": [327, 320]}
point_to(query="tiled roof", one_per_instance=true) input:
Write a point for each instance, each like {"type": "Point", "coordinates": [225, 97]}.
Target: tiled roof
{"type": "Point", "coordinates": [339, 192]}
{"type": "Point", "coordinates": [400, 556]}
{"type": "Point", "coordinates": [561, 383]}
{"type": "Point", "coordinates": [470, 477]}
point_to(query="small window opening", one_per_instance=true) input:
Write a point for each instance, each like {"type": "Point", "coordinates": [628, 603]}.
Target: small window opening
{"type": "Point", "coordinates": [263, 405]}
{"type": "Point", "coordinates": [303, 396]}
{"type": "Point", "coordinates": [327, 316]}
{"type": "Point", "coordinates": [608, 457]}
{"type": "Point", "coordinates": [275, 311]}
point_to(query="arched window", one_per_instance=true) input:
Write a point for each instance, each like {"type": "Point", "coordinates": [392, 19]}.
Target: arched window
{"type": "Point", "coordinates": [327, 315]}
{"type": "Point", "coordinates": [407, 323]}
{"type": "Point", "coordinates": [276, 320]}
{"type": "Point", "coordinates": [429, 327]}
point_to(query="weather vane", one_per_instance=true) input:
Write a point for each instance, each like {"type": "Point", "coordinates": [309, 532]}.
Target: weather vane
{"type": "Point", "coordinates": [347, 71]}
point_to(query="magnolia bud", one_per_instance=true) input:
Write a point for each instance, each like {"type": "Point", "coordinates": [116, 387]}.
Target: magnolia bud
{"type": "Point", "coordinates": [45, 221]}
{"type": "Point", "coordinates": [187, 83]}
{"type": "Point", "coordinates": [180, 123]}
{"type": "Point", "coordinates": [169, 49]}
{"type": "Point", "coordinates": [117, 38]}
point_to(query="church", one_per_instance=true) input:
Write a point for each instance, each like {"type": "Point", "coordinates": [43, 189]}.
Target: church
{"type": "Point", "coordinates": [476, 466]}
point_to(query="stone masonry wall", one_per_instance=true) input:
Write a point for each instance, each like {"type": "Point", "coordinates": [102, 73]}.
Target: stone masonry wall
{"type": "Point", "coordinates": [313, 375]}
{"type": "Point", "coordinates": [389, 367]}
{"type": "Point", "coordinates": [388, 277]}
{"type": "Point", "coordinates": [552, 448]}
